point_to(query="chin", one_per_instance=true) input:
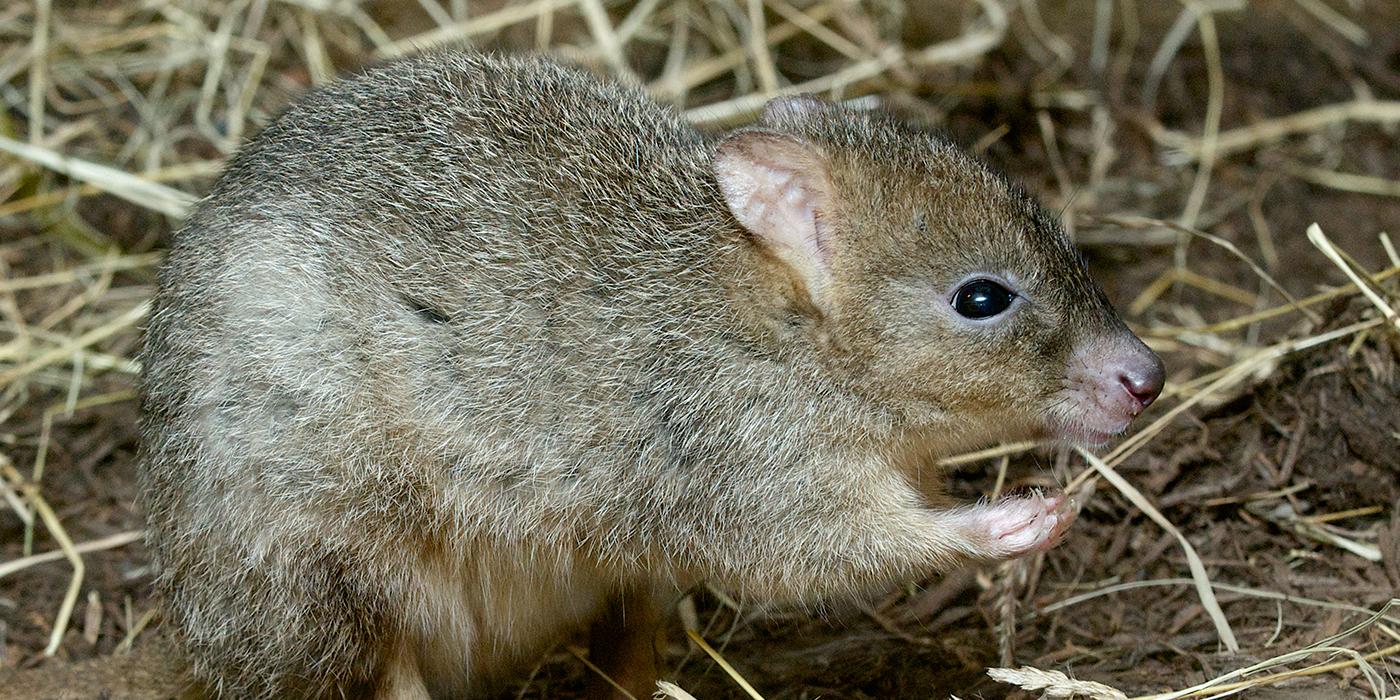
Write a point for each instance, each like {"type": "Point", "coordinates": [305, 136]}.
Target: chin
{"type": "Point", "coordinates": [1081, 435]}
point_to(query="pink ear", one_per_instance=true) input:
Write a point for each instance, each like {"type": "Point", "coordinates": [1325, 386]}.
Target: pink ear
{"type": "Point", "coordinates": [777, 187]}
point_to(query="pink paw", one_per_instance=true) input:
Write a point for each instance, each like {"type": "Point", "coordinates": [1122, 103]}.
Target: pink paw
{"type": "Point", "coordinates": [1012, 527]}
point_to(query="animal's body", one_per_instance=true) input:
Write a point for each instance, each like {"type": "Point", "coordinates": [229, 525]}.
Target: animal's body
{"type": "Point", "coordinates": [467, 352]}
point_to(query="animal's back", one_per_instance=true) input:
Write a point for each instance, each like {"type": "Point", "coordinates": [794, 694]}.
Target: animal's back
{"type": "Point", "coordinates": [418, 300]}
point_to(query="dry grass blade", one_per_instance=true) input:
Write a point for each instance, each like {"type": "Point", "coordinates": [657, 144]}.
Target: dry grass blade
{"type": "Point", "coordinates": [1054, 684]}
{"type": "Point", "coordinates": [136, 190]}
{"type": "Point", "coordinates": [1220, 689]}
{"type": "Point", "coordinates": [1286, 518]}
{"type": "Point", "coordinates": [1249, 137]}
{"type": "Point", "coordinates": [16, 504]}
{"type": "Point", "coordinates": [758, 48]}
{"type": "Point", "coordinates": [69, 348]}
{"type": "Point", "coordinates": [581, 656]}
{"type": "Point", "coordinates": [1390, 251]}
{"type": "Point", "coordinates": [965, 48]}
{"type": "Point", "coordinates": [969, 45]}
{"type": "Point", "coordinates": [39, 68]}
{"type": "Point", "coordinates": [1347, 182]}
{"type": "Point", "coordinates": [77, 272]}
{"type": "Point", "coordinates": [676, 83]}
{"type": "Point", "coordinates": [1193, 560]}
{"type": "Point", "coordinates": [1324, 244]}
{"type": "Point", "coordinates": [988, 453]}
{"type": "Point", "coordinates": [818, 31]}
{"type": "Point", "coordinates": [1225, 587]}
{"type": "Point", "coordinates": [723, 664]}
{"type": "Point", "coordinates": [739, 108]}
{"type": "Point", "coordinates": [136, 629]}
{"type": "Point", "coordinates": [60, 535]}
{"type": "Point", "coordinates": [484, 24]}
{"type": "Point", "coordinates": [111, 542]}
{"type": "Point", "coordinates": [1225, 685]}
{"type": "Point", "coordinates": [1215, 80]}
{"type": "Point", "coordinates": [1337, 21]}
{"type": "Point", "coordinates": [1252, 318]}
{"type": "Point", "coordinates": [671, 691]}
{"type": "Point", "coordinates": [606, 38]}
{"type": "Point", "coordinates": [199, 169]}
{"type": "Point", "coordinates": [1231, 248]}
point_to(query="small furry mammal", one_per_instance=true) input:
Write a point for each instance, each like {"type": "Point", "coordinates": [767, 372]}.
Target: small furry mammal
{"type": "Point", "coordinates": [469, 352]}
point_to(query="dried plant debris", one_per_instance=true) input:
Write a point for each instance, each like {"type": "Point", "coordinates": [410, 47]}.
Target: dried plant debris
{"type": "Point", "coordinates": [1054, 684]}
{"type": "Point", "coordinates": [1189, 147]}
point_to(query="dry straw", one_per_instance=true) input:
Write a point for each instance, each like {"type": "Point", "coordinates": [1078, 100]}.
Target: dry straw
{"type": "Point", "coordinates": [1054, 684]}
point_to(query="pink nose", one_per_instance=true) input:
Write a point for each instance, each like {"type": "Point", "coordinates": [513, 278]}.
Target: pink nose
{"type": "Point", "coordinates": [1142, 377]}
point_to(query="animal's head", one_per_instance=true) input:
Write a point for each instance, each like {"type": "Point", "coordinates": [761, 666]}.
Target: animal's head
{"type": "Point", "coordinates": [930, 283]}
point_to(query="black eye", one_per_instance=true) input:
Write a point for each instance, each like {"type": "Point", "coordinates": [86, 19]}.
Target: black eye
{"type": "Point", "coordinates": [982, 299]}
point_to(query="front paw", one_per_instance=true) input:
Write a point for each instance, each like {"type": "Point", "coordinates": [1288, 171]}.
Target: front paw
{"type": "Point", "coordinates": [1013, 527]}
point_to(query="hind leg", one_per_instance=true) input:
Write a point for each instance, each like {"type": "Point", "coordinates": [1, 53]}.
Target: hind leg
{"type": "Point", "coordinates": [292, 621]}
{"type": "Point", "coordinates": [400, 677]}
{"type": "Point", "coordinates": [622, 645]}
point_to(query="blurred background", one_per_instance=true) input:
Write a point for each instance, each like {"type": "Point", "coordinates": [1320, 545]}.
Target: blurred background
{"type": "Point", "coordinates": [1189, 147]}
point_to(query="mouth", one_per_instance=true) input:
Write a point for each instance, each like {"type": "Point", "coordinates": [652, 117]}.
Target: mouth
{"type": "Point", "coordinates": [1109, 381]}
{"type": "Point", "coordinates": [1081, 435]}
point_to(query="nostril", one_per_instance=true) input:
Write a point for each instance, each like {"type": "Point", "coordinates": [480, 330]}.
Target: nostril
{"type": "Point", "coordinates": [1144, 384]}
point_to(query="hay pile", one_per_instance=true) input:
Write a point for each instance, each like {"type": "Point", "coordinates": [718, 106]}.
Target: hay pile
{"type": "Point", "coordinates": [1247, 536]}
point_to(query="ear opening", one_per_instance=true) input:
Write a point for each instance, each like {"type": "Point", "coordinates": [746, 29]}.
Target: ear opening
{"type": "Point", "coordinates": [777, 187]}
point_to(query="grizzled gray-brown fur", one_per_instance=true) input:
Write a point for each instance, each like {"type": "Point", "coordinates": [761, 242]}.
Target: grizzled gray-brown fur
{"type": "Point", "coordinates": [462, 352]}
